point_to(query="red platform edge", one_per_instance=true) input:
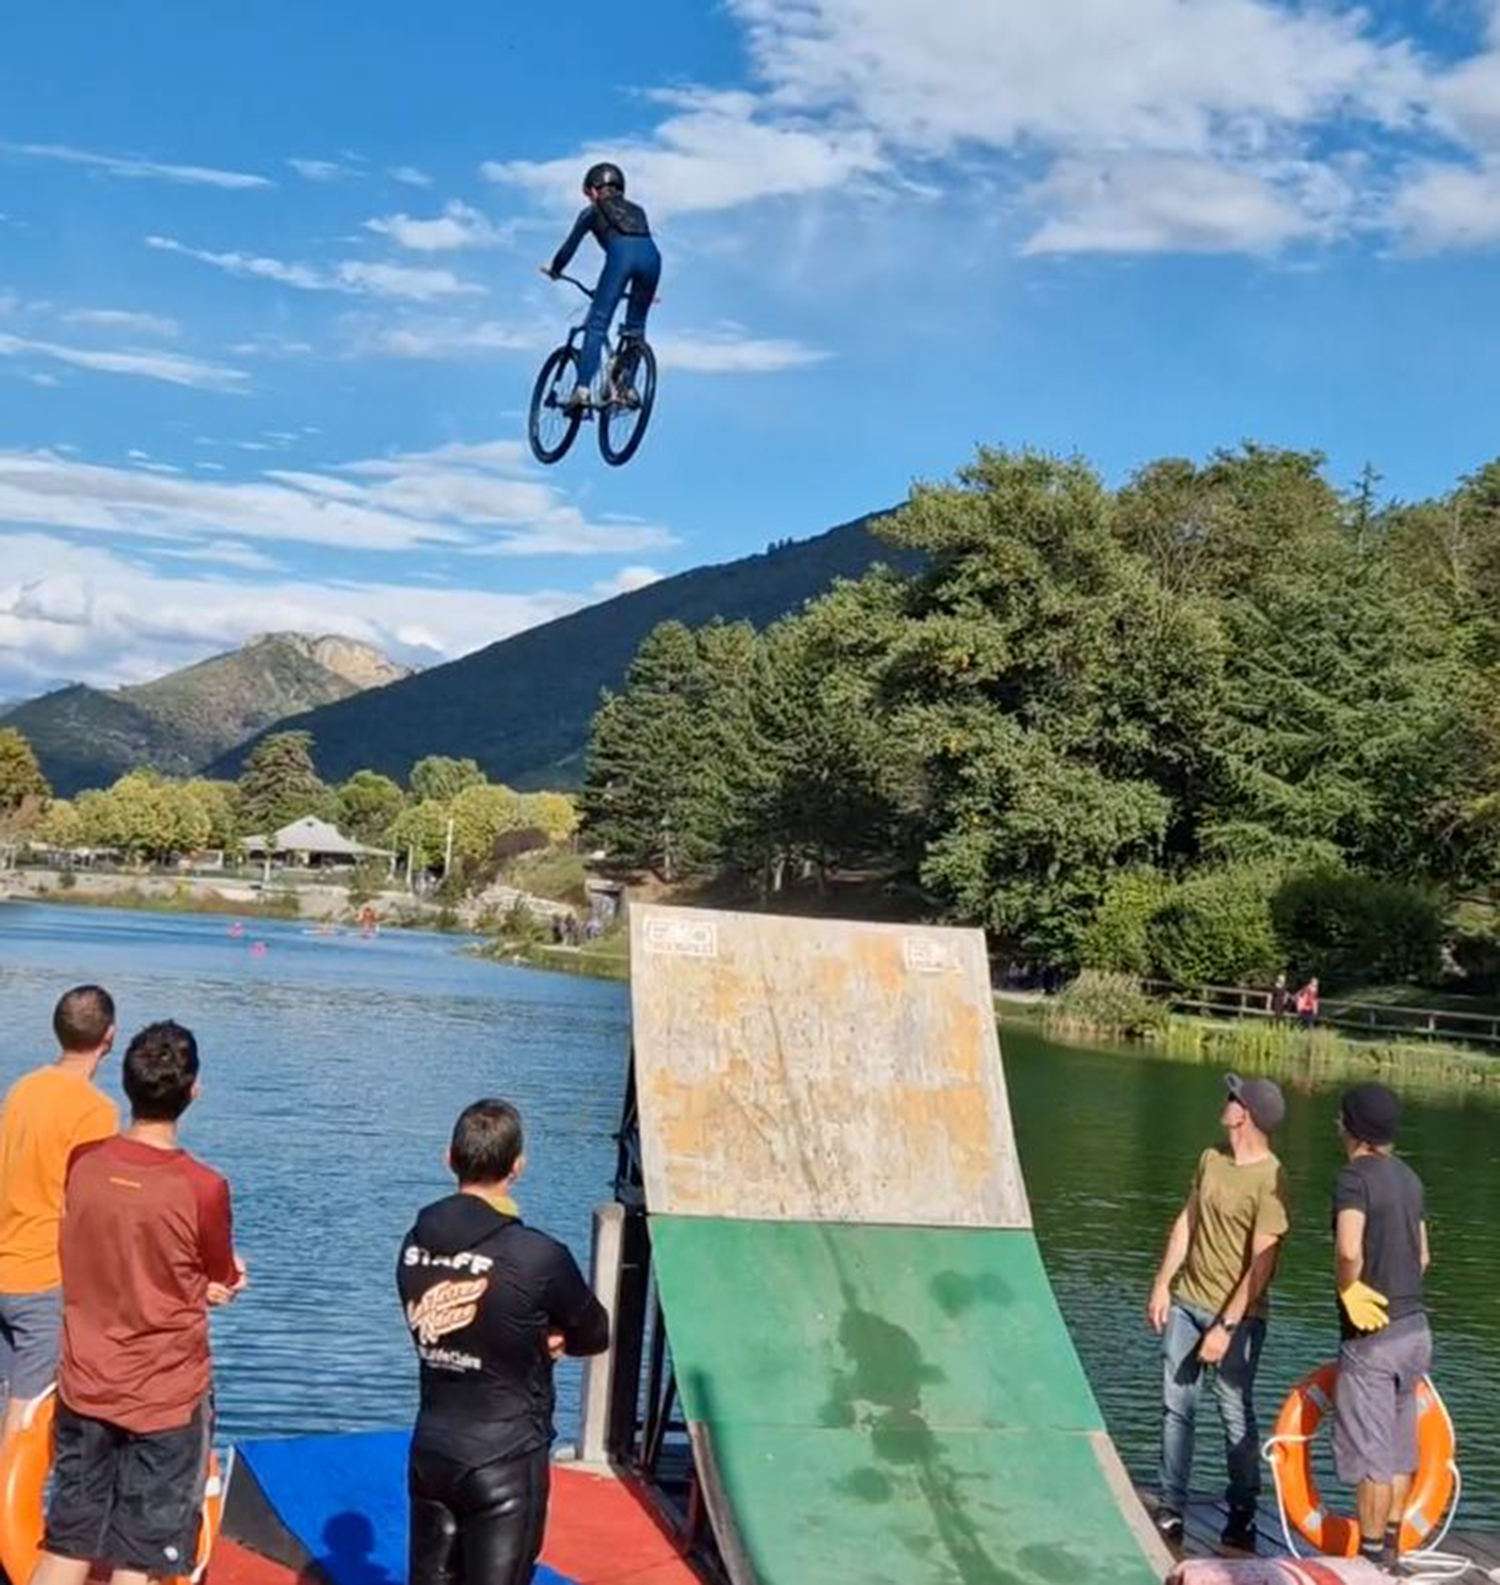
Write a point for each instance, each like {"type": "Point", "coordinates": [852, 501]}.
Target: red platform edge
{"type": "Point", "coordinates": [599, 1532]}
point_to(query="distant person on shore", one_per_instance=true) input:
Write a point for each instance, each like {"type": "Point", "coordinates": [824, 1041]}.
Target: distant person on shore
{"type": "Point", "coordinates": [147, 1247]}
{"type": "Point", "coordinates": [1380, 1258]}
{"type": "Point", "coordinates": [46, 1116]}
{"type": "Point", "coordinates": [1307, 1003]}
{"type": "Point", "coordinates": [1281, 998]}
{"type": "Point", "coordinates": [491, 1304]}
{"type": "Point", "coordinates": [1209, 1303]}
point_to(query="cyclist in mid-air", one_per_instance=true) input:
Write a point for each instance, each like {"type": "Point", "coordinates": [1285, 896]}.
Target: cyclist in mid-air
{"type": "Point", "coordinates": [632, 262]}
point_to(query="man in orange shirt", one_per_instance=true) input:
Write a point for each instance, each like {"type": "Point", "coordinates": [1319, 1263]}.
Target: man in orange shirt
{"type": "Point", "coordinates": [46, 1116]}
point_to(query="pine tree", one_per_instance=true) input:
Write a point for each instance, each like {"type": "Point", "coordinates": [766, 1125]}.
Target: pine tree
{"type": "Point", "coordinates": [280, 784]}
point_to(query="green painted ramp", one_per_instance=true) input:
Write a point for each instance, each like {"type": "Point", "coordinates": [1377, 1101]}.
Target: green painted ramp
{"type": "Point", "coordinates": [891, 1406]}
{"type": "Point", "coordinates": [879, 1385]}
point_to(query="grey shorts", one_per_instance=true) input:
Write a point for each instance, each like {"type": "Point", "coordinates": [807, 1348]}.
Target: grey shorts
{"type": "Point", "coordinates": [1375, 1432]}
{"type": "Point", "coordinates": [30, 1331]}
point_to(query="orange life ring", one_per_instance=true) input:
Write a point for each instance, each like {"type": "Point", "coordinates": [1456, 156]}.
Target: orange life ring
{"type": "Point", "coordinates": [23, 1477]}
{"type": "Point", "coordinates": [1291, 1459]}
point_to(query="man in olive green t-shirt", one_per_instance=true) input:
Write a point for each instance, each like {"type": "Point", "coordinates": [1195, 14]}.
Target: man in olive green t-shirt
{"type": "Point", "coordinates": [1221, 1255]}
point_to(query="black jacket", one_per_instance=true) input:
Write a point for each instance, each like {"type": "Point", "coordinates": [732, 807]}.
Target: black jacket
{"type": "Point", "coordinates": [610, 217]}
{"type": "Point", "coordinates": [481, 1292]}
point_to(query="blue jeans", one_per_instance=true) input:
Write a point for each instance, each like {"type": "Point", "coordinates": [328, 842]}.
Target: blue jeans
{"type": "Point", "coordinates": [629, 262]}
{"type": "Point", "coordinates": [1234, 1386]}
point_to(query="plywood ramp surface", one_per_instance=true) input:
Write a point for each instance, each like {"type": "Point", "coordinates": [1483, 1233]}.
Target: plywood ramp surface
{"type": "Point", "coordinates": [819, 1070]}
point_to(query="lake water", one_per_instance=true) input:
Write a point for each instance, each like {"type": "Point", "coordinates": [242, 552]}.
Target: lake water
{"type": "Point", "coordinates": [333, 1070]}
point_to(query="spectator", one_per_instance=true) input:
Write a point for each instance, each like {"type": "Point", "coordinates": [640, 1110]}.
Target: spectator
{"type": "Point", "coordinates": [1307, 1003]}
{"type": "Point", "coordinates": [1380, 1258]}
{"type": "Point", "coordinates": [47, 1115]}
{"type": "Point", "coordinates": [1209, 1303]}
{"type": "Point", "coordinates": [147, 1247]}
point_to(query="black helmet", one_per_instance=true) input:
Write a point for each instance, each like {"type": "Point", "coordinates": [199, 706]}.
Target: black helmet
{"type": "Point", "coordinates": [604, 175]}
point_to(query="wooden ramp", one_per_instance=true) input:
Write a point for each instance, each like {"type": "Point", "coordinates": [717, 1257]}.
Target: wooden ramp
{"type": "Point", "coordinates": [878, 1384]}
{"type": "Point", "coordinates": [820, 1071]}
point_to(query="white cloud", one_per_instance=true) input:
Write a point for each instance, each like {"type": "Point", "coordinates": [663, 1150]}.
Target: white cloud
{"type": "Point", "coordinates": [626, 581]}
{"type": "Point", "coordinates": [322, 170]}
{"type": "Point", "coordinates": [399, 280]}
{"type": "Point", "coordinates": [48, 382]}
{"type": "Point", "coordinates": [1156, 205]}
{"type": "Point", "coordinates": [1449, 207]}
{"type": "Point", "coordinates": [733, 352]}
{"type": "Point", "coordinates": [1157, 75]}
{"type": "Point", "coordinates": [486, 498]}
{"type": "Point", "coordinates": [129, 166]}
{"type": "Point", "coordinates": [123, 319]}
{"type": "Point", "coordinates": [353, 277]}
{"type": "Point", "coordinates": [410, 176]}
{"type": "Point", "coordinates": [302, 276]}
{"type": "Point", "coordinates": [1164, 125]}
{"type": "Point", "coordinates": [459, 226]}
{"type": "Point", "coordinates": [715, 152]}
{"type": "Point", "coordinates": [166, 366]}
{"type": "Point", "coordinates": [725, 350]}
{"type": "Point", "coordinates": [450, 338]}
{"type": "Point", "coordinates": [87, 612]}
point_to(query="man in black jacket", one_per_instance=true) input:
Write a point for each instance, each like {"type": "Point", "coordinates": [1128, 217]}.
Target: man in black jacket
{"type": "Point", "coordinates": [491, 1303]}
{"type": "Point", "coordinates": [632, 263]}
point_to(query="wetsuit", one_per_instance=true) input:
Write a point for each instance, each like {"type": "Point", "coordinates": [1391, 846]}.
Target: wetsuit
{"type": "Point", "coordinates": [631, 260]}
{"type": "Point", "coordinates": [481, 1292]}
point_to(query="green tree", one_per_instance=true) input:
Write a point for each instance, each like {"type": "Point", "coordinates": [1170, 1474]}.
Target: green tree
{"type": "Point", "coordinates": [1054, 692]}
{"type": "Point", "coordinates": [280, 784]}
{"type": "Point", "coordinates": [421, 829]}
{"type": "Point", "coordinates": [554, 813]}
{"type": "Point", "coordinates": [219, 802]}
{"type": "Point", "coordinates": [480, 814]}
{"type": "Point", "coordinates": [641, 799]}
{"type": "Point", "coordinates": [368, 804]}
{"type": "Point", "coordinates": [21, 778]}
{"type": "Point", "coordinates": [60, 826]}
{"type": "Point", "coordinates": [440, 778]}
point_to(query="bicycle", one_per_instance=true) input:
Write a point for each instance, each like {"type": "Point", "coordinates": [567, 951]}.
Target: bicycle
{"type": "Point", "coordinates": [622, 398]}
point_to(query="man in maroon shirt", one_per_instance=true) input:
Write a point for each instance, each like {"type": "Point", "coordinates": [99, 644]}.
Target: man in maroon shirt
{"type": "Point", "coordinates": [147, 1246]}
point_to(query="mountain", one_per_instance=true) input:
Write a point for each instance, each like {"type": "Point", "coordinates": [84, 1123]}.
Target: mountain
{"type": "Point", "coordinates": [522, 707]}
{"type": "Point", "coordinates": [86, 737]}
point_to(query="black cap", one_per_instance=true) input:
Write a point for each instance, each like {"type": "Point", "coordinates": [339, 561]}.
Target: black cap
{"type": "Point", "coordinates": [1261, 1098]}
{"type": "Point", "coordinates": [1371, 1113]}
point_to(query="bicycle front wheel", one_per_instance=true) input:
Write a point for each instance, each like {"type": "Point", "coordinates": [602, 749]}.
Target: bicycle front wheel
{"type": "Point", "coordinates": [553, 425]}
{"type": "Point", "coordinates": [623, 419]}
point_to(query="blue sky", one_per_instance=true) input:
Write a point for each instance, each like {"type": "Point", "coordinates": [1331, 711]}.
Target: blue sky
{"type": "Point", "coordinates": [269, 307]}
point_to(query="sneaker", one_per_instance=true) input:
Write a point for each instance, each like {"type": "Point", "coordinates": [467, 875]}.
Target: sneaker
{"type": "Point", "coordinates": [1169, 1525]}
{"type": "Point", "coordinates": [1239, 1531]}
{"type": "Point", "coordinates": [577, 402]}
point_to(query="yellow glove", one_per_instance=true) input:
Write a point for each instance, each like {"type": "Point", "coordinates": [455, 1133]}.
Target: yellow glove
{"type": "Point", "coordinates": [1365, 1307]}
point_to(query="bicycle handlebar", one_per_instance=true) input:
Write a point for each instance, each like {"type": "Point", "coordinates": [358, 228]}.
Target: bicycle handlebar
{"type": "Point", "coordinates": [574, 281]}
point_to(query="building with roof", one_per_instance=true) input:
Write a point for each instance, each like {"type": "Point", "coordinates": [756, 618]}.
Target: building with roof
{"type": "Point", "coordinates": [310, 843]}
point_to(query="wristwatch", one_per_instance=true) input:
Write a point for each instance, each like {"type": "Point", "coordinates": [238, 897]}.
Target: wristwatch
{"type": "Point", "coordinates": [1228, 1326]}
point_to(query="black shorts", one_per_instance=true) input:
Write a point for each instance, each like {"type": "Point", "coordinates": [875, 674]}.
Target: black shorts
{"type": "Point", "coordinates": [131, 1499]}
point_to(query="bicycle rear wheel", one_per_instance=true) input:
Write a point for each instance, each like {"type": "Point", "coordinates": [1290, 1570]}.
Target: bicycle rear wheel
{"type": "Point", "coordinates": [552, 427]}
{"type": "Point", "coordinates": [623, 419]}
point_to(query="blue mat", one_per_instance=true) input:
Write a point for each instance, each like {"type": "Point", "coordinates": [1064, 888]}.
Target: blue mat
{"type": "Point", "coordinates": [344, 1498]}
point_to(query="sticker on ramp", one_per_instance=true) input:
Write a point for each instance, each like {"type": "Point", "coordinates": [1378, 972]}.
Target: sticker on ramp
{"type": "Point", "coordinates": [681, 938]}
{"type": "Point", "coordinates": [926, 956]}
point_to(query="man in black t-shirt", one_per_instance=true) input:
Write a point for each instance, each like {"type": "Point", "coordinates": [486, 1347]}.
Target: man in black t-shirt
{"type": "Point", "coordinates": [491, 1303]}
{"type": "Point", "coordinates": [1380, 1255]}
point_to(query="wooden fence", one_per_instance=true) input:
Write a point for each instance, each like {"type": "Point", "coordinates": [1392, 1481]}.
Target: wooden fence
{"type": "Point", "coordinates": [1358, 1018]}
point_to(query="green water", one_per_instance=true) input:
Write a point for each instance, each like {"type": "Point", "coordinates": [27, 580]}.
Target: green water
{"type": "Point", "coordinates": [1109, 1141]}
